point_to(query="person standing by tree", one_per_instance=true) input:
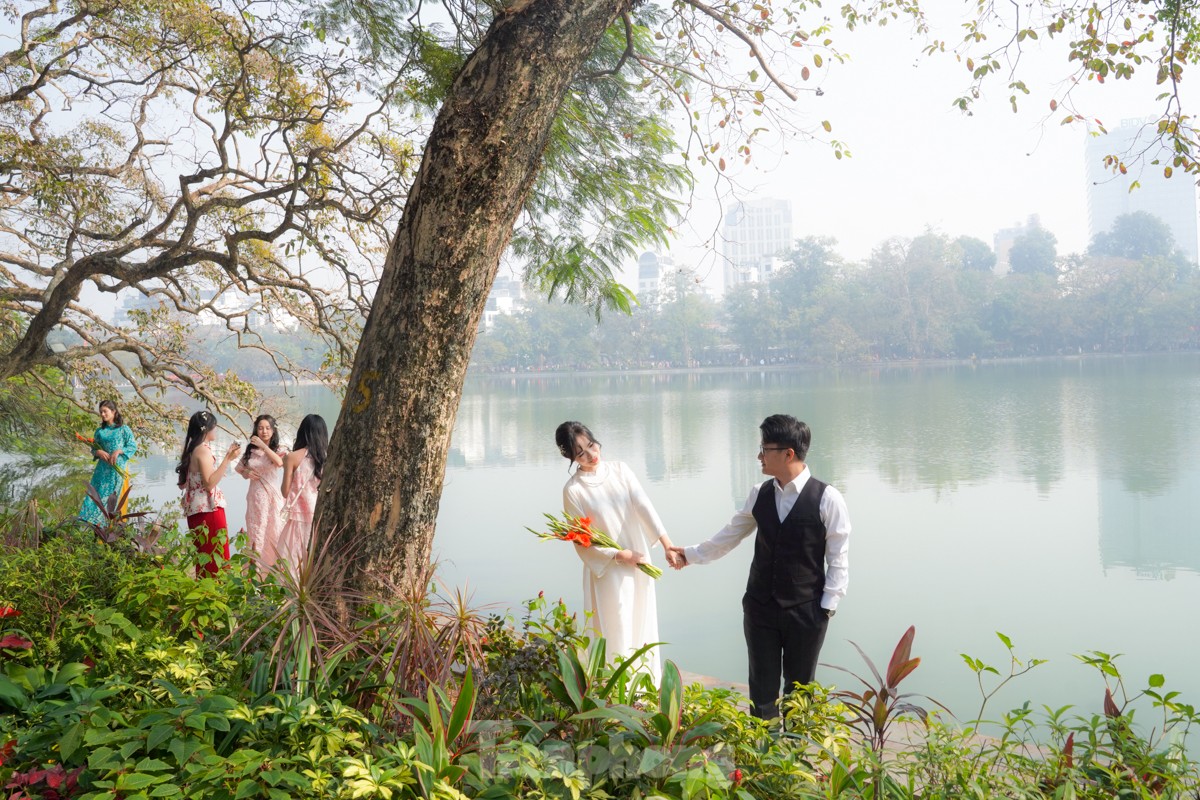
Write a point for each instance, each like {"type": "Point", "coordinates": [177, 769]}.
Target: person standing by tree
{"type": "Point", "coordinates": [302, 471]}
{"type": "Point", "coordinates": [801, 563]}
{"type": "Point", "coordinates": [617, 595]}
{"type": "Point", "coordinates": [203, 501]}
{"type": "Point", "coordinates": [112, 447]}
{"type": "Point", "coordinates": [262, 465]}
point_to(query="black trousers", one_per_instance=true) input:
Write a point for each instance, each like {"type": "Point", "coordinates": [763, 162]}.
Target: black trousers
{"type": "Point", "coordinates": [781, 643]}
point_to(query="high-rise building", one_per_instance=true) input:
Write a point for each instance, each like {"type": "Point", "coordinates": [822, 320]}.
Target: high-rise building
{"type": "Point", "coordinates": [653, 270]}
{"type": "Point", "coordinates": [507, 297]}
{"type": "Point", "coordinates": [1172, 200]}
{"type": "Point", "coordinates": [755, 234]}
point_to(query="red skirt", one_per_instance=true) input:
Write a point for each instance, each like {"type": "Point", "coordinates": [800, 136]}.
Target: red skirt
{"type": "Point", "coordinates": [208, 531]}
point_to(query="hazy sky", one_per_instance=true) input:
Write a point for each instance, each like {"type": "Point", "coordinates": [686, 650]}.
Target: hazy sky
{"type": "Point", "coordinates": [918, 162]}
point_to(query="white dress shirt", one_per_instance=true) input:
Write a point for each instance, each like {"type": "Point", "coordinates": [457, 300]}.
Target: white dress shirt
{"type": "Point", "coordinates": [834, 516]}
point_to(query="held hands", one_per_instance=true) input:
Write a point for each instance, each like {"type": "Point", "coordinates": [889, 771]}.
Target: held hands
{"type": "Point", "coordinates": [233, 452]}
{"type": "Point", "coordinates": [257, 442]}
{"type": "Point", "coordinates": [676, 558]}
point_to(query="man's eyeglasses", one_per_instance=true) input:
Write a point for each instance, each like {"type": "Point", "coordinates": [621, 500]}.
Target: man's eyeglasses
{"type": "Point", "coordinates": [763, 448]}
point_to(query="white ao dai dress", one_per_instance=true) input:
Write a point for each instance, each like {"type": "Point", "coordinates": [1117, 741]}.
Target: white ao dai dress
{"type": "Point", "coordinates": [619, 597]}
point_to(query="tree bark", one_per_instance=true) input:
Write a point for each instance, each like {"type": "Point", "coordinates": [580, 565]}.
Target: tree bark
{"type": "Point", "coordinates": [382, 485]}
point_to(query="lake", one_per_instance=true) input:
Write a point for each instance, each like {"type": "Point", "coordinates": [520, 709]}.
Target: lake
{"type": "Point", "coordinates": [1055, 501]}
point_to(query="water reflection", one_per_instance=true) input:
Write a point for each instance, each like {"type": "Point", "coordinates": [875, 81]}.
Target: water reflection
{"type": "Point", "coordinates": [1131, 422]}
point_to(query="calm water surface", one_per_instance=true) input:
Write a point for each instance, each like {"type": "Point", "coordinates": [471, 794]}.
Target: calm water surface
{"type": "Point", "coordinates": [1053, 501]}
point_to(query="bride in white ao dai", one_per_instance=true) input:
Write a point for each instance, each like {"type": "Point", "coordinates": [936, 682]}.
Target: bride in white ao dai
{"type": "Point", "coordinates": [617, 595]}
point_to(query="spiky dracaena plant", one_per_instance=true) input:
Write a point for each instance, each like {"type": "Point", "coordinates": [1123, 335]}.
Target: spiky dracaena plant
{"type": "Point", "coordinates": [419, 637]}
{"type": "Point", "coordinates": [310, 635]}
{"type": "Point", "coordinates": [376, 650]}
{"type": "Point", "coordinates": [877, 707]}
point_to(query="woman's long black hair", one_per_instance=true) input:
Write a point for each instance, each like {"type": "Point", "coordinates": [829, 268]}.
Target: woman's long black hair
{"type": "Point", "coordinates": [273, 444]}
{"type": "Point", "coordinates": [314, 436]}
{"type": "Point", "coordinates": [198, 427]}
{"type": "Point", "coordinates": [117, 421]}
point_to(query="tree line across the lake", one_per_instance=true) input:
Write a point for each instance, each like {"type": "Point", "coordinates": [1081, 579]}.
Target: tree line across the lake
{"type": "Point", "coordinates": [929, 297]}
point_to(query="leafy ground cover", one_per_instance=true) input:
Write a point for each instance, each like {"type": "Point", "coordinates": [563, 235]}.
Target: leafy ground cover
{"type": "Point", "coordinates": [123, 676]}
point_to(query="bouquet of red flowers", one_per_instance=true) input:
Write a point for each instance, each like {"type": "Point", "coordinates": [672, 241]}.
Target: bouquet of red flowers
{"type": "Point", "coordinates": [92, 443]}
{"type": "Point", "coordinates": [579, 530]}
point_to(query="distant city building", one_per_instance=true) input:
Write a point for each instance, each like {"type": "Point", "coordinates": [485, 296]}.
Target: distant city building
{"type": "Point", "coordinates": [507, 297]}
{"type": "Point", "coordinates": [131, 302]}
{"type": "Point", "coordinates": [1172, 200]}
{"type": "Point", "coordinates": [661, 280]}
{"type": "Point", "coordinates": [1004, 239]}
{"type": "Point", "coordinates": [654, 270]}
{"type": "Point", "coordinates": [755, 235]}
{"type": "Point", "coordinates": [232, 302]}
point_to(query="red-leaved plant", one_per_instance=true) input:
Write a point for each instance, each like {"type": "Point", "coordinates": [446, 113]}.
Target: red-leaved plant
{"type": "Point", "coordinates": [877, 707]}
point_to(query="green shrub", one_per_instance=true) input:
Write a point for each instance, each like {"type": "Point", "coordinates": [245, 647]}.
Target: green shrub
{"type": "Point", "coordinates": [143, 681]}
{"type": "Point", "coordinates": [70, 574]}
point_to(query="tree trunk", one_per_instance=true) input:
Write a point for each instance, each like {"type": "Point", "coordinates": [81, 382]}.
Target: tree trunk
{"type": "Point", "coordinates": [382, 484]}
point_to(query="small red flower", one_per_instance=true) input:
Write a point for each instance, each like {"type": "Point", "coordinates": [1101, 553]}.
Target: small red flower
{"type": "Point", "coordinates": [9, 611]}
{"type": "Point", "coordinates": [736, 776]}
{"type": "Point", "coordinates": [541, 594]}
{"type": "Point", "coordinates": [583, 539]}
{"type": "Point", "coordinates": [14, 642]}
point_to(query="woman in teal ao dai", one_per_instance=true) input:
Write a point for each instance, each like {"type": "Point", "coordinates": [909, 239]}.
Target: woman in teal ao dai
{"type": "Point", "coordinates": [113, 444]}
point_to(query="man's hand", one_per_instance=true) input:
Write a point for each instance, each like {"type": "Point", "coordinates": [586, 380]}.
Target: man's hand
{"type": "Point", "coordinates": [676, 558]}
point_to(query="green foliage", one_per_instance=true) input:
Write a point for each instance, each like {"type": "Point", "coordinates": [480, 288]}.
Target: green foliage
{"type": "Point", "coordinates": [1135, 236]}
{"type": "Point", "coordinates": [168, 597]}
{"type": "Point", "coordinates": [163, 700]}
{"type": "Point", "coordinates": [609, 186]}
{"type": "Point", "coordinates": [976, 254]}
{"type": "Point", "coordinates": [70, 574]}
{"type": "Point", "coordinates": [1033, 252]}
{"type": "Point", "coordinates": [515, 658]}
{"type": "Point", "coordinates": [923, 298]}
{"type": "Point", "coordinates": [35, 420]}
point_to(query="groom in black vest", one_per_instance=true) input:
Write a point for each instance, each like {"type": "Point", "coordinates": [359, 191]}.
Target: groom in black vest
{"type": "Point", "coordinates": [800, 567]}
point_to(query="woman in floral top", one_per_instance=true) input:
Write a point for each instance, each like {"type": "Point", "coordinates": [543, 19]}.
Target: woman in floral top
{"type": "Point", "coordinates": [203, 502]}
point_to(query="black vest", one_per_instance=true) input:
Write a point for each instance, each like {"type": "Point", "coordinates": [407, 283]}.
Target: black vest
{"type": "Point", "coordinates": [789, 556]}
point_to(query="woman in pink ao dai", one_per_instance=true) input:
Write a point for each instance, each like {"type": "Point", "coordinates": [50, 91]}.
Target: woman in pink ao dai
{"type": "Point", "coordinates": [262, 465]}
{"type": "Point", "coordinates": [302, 470]}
